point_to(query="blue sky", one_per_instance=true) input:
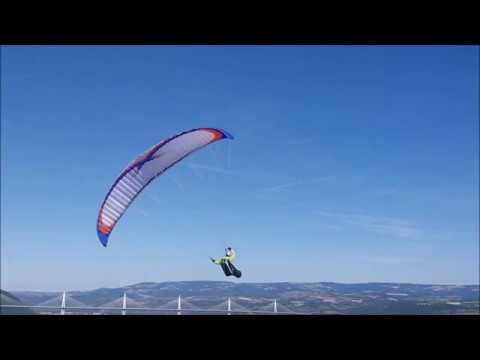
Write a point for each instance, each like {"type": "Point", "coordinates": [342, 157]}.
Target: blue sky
{"type": "Point", "coordinates": [349, 164]}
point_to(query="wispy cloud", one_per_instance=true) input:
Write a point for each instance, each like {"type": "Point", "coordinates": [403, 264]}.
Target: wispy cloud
{"type": "Point", "coordinates": [301, 141]}
{"type": "Point", "coordinates": [154, 198]}
{"type": "Point", "coordinates": [387, 192]}
{"type": "Point", "coordinates": [328, 226]}
{"type": "Point", "coordinates": [280, 187]}
{"type": "Point", "coordinates": [196, 167]}
{"type": "Point", "coordinates": [305, 181]}
{"type": "Point", "coordinates": [175, 180]}
{"type": "Point", "coordinates": [389, 259]}
{"type": "Point", "coordinates": [378, 224]}
{"type": "Point", "coordinates": [198, 174]}
{"type": "Point", "coordinates": [143, 212]}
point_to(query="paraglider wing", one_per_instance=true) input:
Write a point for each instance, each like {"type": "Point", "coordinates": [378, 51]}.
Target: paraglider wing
{"type": "Point", "coordinates": [146, 168]}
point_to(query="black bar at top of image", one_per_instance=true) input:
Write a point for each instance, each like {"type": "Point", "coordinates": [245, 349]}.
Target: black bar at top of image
{"type": "Point", "coordinates": [433, 36]}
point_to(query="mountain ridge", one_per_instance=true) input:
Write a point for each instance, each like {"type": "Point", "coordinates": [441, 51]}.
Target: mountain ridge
{"type": "Point", "coordinates": [311, 297]}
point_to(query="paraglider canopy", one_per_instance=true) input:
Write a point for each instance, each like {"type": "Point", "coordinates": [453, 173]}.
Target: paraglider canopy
{"type": "Point", "coordinates": [145, 168]}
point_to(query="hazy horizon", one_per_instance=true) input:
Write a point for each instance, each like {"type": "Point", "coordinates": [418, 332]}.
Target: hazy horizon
{"type": "Point", "coordinates": [239, 282]}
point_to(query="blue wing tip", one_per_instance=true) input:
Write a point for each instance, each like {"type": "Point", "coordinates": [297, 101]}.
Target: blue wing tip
{"type": "Point", "coordinates": [103, 238]}
{"type": "Point", "coordinates": [227, 134]}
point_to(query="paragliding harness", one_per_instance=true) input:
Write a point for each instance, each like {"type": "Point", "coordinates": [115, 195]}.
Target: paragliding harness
{"type": "Point", "coordinates": [229, 269]}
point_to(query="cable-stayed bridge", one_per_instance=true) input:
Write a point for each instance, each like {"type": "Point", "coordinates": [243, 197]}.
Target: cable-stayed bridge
{"type": "Point", "coordinates": [66, 305]}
